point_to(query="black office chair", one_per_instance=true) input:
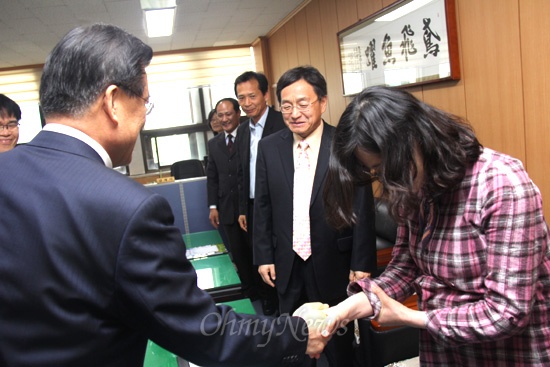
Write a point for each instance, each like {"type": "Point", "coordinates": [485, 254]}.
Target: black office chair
{"type": "Point", "coordinates": [382, 346]}
{"type": "Point", "coordinates": [187, 169]}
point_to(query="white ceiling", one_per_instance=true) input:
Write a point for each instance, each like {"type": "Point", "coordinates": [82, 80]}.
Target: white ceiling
{"type": "Point", "coordinates": [29, 29]}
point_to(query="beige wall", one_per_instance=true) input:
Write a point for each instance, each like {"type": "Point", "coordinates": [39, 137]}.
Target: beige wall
{"type": "Point", "coordinates": [504, 90]}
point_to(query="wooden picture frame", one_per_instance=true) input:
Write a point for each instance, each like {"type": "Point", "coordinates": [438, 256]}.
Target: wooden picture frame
{"type": "Point", "coordinates": [410, 42]}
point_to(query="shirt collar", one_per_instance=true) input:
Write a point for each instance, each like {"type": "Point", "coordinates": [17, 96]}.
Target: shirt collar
{"type": "Point", "coordinates": [261, 121]}
{"type": "Point", "coordinates": [233, 134]}
{"type": "Point", "coordinates": [313, 139]}
{"type": "Point", "coordinates": [77, 134]}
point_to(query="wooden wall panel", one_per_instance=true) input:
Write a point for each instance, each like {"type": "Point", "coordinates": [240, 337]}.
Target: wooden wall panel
{"type": "Point", "coordinates": [448, 96]}
{"type": "Point", "coordinates": [368, 7]}
{"type": "Point", "coordinates": [277, 47]}
{"type": "Point", "coordinates": [346, 11]}
{"type": "Point", "coordinates": [492, 72]}
{"type": "Point", "coordinates": [332, 74]}
{"type": "Point", "coordinates": [302, 40]}
{"type": "Point", "coordinates": [315, 37]}
{"type": "Point", "coordinates": [316, 44]}
{"type": "Point", "coordinates": [536, 92]}
{"type": "Point", "coordinates": [291, 43]}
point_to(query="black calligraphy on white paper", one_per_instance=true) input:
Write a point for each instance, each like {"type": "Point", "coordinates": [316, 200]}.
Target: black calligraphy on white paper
{"type": "Point", "coordinates": [370, 53]}
{"type": "Point", "coordinates": [387, 49]}
{"type": "Point", "coordinates": [407, 45]}
{"type": "Point", "coordinates": [432, 48]}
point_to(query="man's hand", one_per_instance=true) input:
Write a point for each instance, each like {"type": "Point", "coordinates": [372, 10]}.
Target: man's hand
{"type": "Point", "coordinates": [214, 218]}
{"type": "Point", "coordinates": [315, 317]}
{"type": "Point", "coordinates": [242, 222]}
{"type": "Point", "coordinates": [267, 272]}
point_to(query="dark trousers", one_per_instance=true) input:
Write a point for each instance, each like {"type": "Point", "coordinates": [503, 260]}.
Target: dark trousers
{"type": "Point", "coordinates": [303, 288]}
{"type": "Point", "coordinates": [263, 290]}
{"type": "Point", "coordinates": [241, 255]}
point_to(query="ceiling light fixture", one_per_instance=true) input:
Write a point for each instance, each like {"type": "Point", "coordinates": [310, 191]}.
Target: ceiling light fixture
{"type": "Point", "coordinates": [402, 10]}
{"type": "Point", "coordinates": [159, 17]}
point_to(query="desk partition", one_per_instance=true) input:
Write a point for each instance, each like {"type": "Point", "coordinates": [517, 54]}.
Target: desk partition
{"type": "Point", "coordinates": [188, 199]}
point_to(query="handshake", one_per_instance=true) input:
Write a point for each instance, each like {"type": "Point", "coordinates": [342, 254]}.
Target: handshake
{"type": "Point", "coordinates": [322, 323]}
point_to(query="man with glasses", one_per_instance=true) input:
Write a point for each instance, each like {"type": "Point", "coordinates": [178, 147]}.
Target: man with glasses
{"type": "Point", "coordinates": [10, 114]}
{"type": "Point", "coordinates": [295, 248]}
{"type": "Point", "coordinates": [91, 263]}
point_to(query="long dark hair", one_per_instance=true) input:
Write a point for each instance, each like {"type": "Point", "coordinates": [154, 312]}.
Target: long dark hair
{"type": "Point", "coordinates": [395, 125]}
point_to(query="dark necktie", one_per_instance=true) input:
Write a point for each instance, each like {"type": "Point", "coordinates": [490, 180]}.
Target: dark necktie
{"type": "Point", "coordinates": [230, 143]}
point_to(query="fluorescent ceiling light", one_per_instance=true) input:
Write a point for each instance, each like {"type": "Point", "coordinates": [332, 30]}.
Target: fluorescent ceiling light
{"type": "Point", "coordinates": [160, 22]}
{"type": "Point", "coordinates": [159, 17]}
{"type": "Point", "coordinates": [403, 10]}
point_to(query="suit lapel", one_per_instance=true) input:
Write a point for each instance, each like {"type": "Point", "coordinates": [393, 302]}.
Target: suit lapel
{"type": "Point", "coordinates": [222, 146]}
{"type": "Point", "coordinates": [287, 158]}
{"type": "Point", "coordinates": [243, 142]}
{"type": "Point", "coordinates": [322, 161]}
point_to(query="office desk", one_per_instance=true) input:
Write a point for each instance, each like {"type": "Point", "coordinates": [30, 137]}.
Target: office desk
{"type": "Point", "coordinates": [156, 356]}
{"type": "Point", "coordinates": [217, 275]}
{"type": "Point", "coordinates": [201, 244]}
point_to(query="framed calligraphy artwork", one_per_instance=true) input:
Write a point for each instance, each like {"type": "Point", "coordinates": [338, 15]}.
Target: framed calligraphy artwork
{"type": "Point", "coordinates": [411, 42]}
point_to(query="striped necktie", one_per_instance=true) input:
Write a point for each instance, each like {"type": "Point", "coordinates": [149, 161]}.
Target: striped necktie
{"type": "Point", "coordinates": [230, 143]}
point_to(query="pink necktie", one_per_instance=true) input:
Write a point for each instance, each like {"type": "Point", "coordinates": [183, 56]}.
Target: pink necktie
{"type": "Point", "coordinates": [301, 240]}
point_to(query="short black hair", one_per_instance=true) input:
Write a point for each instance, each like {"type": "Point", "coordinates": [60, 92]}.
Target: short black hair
{"type": "Point", "coordinates": [252, 75]}
{"type": "Point", "coordinates": [8, 107]}
{"type": "Point", "coordinates": [85, 62]}
{"type": "Point", "coordinates": [308, 73]}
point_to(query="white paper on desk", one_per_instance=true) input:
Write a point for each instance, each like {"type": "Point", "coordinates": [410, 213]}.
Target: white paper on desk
{"type": "Point", "coordinates": [205, 278]}
{"type": "Point", "coordinates": [201, 251]}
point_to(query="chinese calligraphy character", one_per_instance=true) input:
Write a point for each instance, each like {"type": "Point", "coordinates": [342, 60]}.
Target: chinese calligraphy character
{"type": "Point", "coordinates": [387, 48]}
{"type": "Point", "coordinates": [370, 53]}
{"type": "Point", "coordinates": [407, 46]}
{"type": "Point", "coordinates": [431, 47]}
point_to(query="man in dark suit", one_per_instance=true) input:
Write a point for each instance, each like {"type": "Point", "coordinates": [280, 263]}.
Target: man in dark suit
{"type": "Point", "coordinates": [327, 259]}
{"type": "Point", "coordinates": [91, 264]}
{"type": "Point", "coordinates": [223, 193]}
{"type": "Point", "coordinates": [252, 91]}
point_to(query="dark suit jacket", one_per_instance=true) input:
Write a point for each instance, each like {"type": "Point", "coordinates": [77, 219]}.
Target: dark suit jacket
{"type": "Point", "coordinates": [274, 122]}
{"type": "Point", "coordinates": [333, 253]}
{"type": "Point", "coordinates": [222, 180]}
{"type": "Point", "coordinates": [91, 266]}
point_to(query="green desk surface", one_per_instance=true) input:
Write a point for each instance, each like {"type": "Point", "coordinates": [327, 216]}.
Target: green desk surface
{"type": "Point", "coordinates": [242, 306]}
{"type": "Point", "coordinates": [203, 238]}
{"type": "Point", "coordinates": [215, 272]}
{"type": "Point", "coordinates": [156, 356]}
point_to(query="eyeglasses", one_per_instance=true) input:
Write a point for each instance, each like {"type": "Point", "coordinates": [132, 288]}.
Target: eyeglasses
{"type": "Point", "coordinates": [288, 108]}
{"type": "Point", "coordinates": [367, 175]}
{"type": "Point", "coordinates": [10, 126]}
{"type": "Point", "coordinates": [148, 104]}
